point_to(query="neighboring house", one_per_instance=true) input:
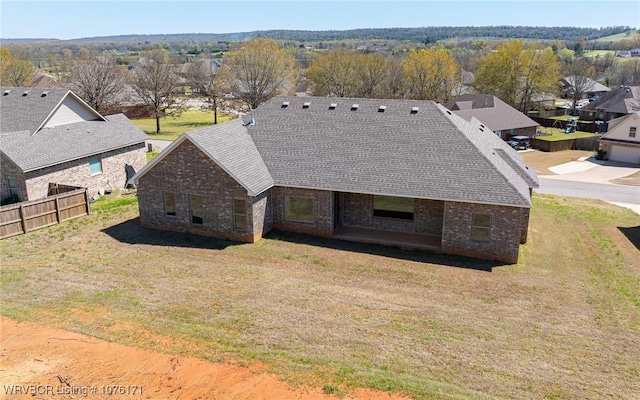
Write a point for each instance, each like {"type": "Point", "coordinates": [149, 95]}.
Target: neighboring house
{"type": "Point", "coordinates": [635, 52]}
{"type": "Point", "coordinates": [504, 120]}
{"type": "Point", "coordinates": [590, 87]}
{"type": "Point", "coordinates": [52, 136]}
{"type": "Point", "coordinates": [622, 141]}
{"type": "Point", "coordinates": [623, 53]}
{"type": "Point", "coordinates": [616, 103]}
{"type": "Point", "coordinates": [400, 172]}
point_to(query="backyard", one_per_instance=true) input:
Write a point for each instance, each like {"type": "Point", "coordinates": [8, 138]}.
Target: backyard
{"type": "Point", "coordinates": [562, 323]}
{"type": "Point", "coordinates": [172, 127]}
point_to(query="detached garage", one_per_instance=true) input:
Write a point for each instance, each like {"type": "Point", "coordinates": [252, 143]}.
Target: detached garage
{"type": "Point", "coordinates": [622, 142]}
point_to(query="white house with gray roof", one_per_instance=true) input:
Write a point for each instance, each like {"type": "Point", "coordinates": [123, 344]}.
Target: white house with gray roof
{"type": "Point", "coordinates": [399, 172]}
{"type": "Point", "coordinates": [51, 136]}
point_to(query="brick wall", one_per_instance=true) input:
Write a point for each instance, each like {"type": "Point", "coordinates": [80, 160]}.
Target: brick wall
{"type": "Point", "coordinates": [323, 211]}
{"type": "Point", "coordinates": [262, 214]}
{"type": "Point", "coordinates": [357, 210]}
{"type": "Point", "coordinates": [186, 170]}
{"type": "Point", "coordinates": [505, 234]}
{"type": "Point", "coordinates": [8, 168]}
{"type": "Point", "coordinates": [76, 173]}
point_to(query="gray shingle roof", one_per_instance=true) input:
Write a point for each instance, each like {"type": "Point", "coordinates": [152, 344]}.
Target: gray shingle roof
{"type": "Point", "coordinates": [491, 111]}
{"type": "Point", "coordinates": [56, 145]}
{"type": "Point", "coordinates": [429, 154]}
{"type": "Point", "coordinates": [19, 112]}
{"type": "Point", "coordinates": [231, 147]}
{"type": "Point", "coordinates": [621, 100]}
{"type": "Point", "coordinates": [589, 84]}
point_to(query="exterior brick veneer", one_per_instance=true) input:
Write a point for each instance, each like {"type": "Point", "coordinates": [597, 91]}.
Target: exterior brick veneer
{"type": "Point", "coordinates": [505, 233]}
{"type": "Point", "coordinates": [358, 212]}
{"type": "Point", "coordinates": [187, 170]}
{"type": "Point", "coordinates": [35, 184]}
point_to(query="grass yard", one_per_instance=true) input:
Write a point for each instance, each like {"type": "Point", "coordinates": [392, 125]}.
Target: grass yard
{"type": "Point", "coordinates": [554, 134]}
{"type": "Point", "coordinates": [541, 161]}
{"type": "Point", "coordinates": [628, 35]}
{"type": "Point", "coordinates": [171, 127]}
{"type": "Point", "coordinates": [562, 323]}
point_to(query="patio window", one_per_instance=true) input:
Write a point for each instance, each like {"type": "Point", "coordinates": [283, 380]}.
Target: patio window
{"type": "Point", "coordinates": [239, 214]}
{"type": "Point", "coordinates": [632, 131]}
{"type": "Point", "coordinates": [195, 204]}
{"type": "Point", "coordinates": [298, 209]}
{"type": "Point", "coordinates": [95, 166]}
{"type": "Point", "coordinates": [12, 186]}
{"type": "Point", "coordinates": [393, 207]}
{"type": "Point", "coordinates": [169, 204]}
{"type": "Point", "coordinates": [481, 227]}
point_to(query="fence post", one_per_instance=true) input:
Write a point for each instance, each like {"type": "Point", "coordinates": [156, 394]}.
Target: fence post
{"type": "Point", "coordinates": [23, 221]}
{"type": "Point", "coordinates": [57, 208]}
{"type": "Point", "coordinates": [86, 199]}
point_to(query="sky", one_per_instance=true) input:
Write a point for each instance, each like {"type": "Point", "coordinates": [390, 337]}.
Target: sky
{"type": "Point", "coordinates": [89, 18]}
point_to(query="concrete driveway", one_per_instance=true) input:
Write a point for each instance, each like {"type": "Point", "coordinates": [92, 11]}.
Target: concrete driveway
{"type": "Point", "coordinates": [590, 178]}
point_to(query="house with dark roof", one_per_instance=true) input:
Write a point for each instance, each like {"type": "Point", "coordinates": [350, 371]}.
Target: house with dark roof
{"type": "Point", "coordinates": [51, 136]}
{"type": "Point", "coordinates": [622, 141]}
{"type": "Point", "coordinates": [396, 172]}
{"type": "Point", "coordinates": [504, 120]}
{"type": "Point", "coordinates": [620, 101]}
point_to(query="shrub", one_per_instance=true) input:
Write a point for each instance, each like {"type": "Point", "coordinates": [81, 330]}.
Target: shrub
{"type": "Point", "coordinates": [11, 199]}
{"type": "Point", "coordinates": [600, 154]}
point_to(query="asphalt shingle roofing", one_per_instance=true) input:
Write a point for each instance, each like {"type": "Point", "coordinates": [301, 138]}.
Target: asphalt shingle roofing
{"type": "Point", "coordinates": [428, 154]}
{"type": "Point", "coordinates": [52, 146]}
{"type": "Point", "coordinates": [490, 110]}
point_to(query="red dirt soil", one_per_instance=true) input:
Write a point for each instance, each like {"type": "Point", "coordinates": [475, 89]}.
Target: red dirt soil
{"type": "Point", "coordinates": [47, 363]}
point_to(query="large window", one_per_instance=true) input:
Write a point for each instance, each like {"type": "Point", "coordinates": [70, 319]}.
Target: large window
{"type": "Point", "coordinates": [95, 166]}
{"type": "Point", "coordinates": [298, 209]}
{"type": "Point", "coordinates": [393, 207]}
{"type": "Point", "coordinates": [481, 227]}
{"type": "Point", "coordinates": [632, 131]}
{"type": "Point", "coordinates": [195, 204]}
{"type": "Point", "coordinates": [169, 204]}
{"type": "Point", "coordinates": [239, 214]}
{"type": "Point", "coordinates": [11, 184]}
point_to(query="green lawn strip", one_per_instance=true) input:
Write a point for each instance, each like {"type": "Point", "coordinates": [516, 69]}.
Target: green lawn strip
{"type": "Point", "coordinates": [172, 127]}
{"type": "Point", "coordinates": [555, 134]}
{"type": "Point", "coordinates": [563, 322]}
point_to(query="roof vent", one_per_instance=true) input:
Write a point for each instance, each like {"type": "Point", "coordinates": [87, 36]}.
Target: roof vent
{"type": "Point", "coordinates": [382, 108]}
{"type": "Point", "coordinates": [306, 104]}
{"type": "Point", "coordinates": [414, 110]}
{"type": "Point", "coordinates": [481, 130]}
{"type": "Point", "coordinates": [448, 112]}
{"type": "Point", "coordinates": [26, 92]}
{"type": "Point", "coordinates": [482, 126]}
{"type": "Point", "coordinates": [44, 94]}
{"type": "Point", "coordinates": [285, 104]}
{"type": "Point", "coordinates": [332, 106]}
{"type": "Point", "coordinates": [355, 107]}
{"type": "Point", "coordinates": [6, 92]}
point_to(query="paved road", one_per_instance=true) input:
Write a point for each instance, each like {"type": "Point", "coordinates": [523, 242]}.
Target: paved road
{"type": "Point", "coordinates": [599, 191]}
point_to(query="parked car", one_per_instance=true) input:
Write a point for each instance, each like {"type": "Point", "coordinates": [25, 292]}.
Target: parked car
{"type": "Point", "coordinates": [520, 142]}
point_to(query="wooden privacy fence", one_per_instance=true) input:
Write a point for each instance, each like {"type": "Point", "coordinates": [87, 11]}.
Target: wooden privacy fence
{"type": "Point", "coordinates": [588, 143]}
{"type": "Point", "coordinates": [31, 215]}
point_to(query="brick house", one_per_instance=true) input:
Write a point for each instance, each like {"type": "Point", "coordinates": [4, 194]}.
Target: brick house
{"type": "Point", "coordinates": [504, 120]}
{"type": "Point", "coordinates": [398, 172]}
{"type": "Point", "coordinates": [622, 141]}
{"type": "Point", "coordinates": [52, 136]}
{"type": "Point", "coordinates": [618, 102]}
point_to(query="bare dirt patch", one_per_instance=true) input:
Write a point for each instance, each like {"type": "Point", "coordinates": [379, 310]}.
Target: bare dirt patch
{"type": "Point", "coordinates": [541, 161]}
{"type": "Point", "coordinates": [64, 365]}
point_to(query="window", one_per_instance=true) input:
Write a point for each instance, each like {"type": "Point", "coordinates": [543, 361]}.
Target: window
{"type": "Point", "coordinates": [393, 207]}
{"type": "Point", "coordinates": [481, 227]}
{"type": "Point", "coordinates": [239, 214]}
{"type": "Point", "coordinates": [298, 209]}
{"type": "Point", "coordinates": [169, 204]}
{"type": "Point", "coordinates": [95, 166]}
{"type": "Point", "coordinates": [632, 131]}
{"type": "Point", "coordinates": [13, 187]}
{"type": "Point", "coordinates": [195, 204]}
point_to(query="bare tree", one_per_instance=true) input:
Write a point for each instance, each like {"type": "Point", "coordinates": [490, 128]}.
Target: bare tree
{"type": "Point", "coordinates": [206, 78]}
{"type": "Point", "coordinates": [258, 70]}
{"type": "Point", "coordinates": [626, 72]}
{"type": "Point", "coordinates": [580, 76]}
{"type": "Point", "coordinates": [156, 83]}
{"type": "Point", "coordinates": [98, 80]}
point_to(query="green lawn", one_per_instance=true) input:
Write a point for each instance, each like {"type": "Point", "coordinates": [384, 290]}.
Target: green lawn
{"type": "Point", "coordinates": [171, 127]}
{"type": "Point", "coordinates": [628, 35]}
{"type": "Point", "coordinates": [558, 134]}
{"type": "Point", "coordinates": [562, 323]}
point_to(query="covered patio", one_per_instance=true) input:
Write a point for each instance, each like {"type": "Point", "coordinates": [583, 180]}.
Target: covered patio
{"type": "Point", "coordinates": [413, 241]}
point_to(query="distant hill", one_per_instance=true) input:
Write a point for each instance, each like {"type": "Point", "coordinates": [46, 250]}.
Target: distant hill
{"type": "Point", "coordinates": [424, 34]}
{"type": "Point", "coordinates": [627, 35]}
